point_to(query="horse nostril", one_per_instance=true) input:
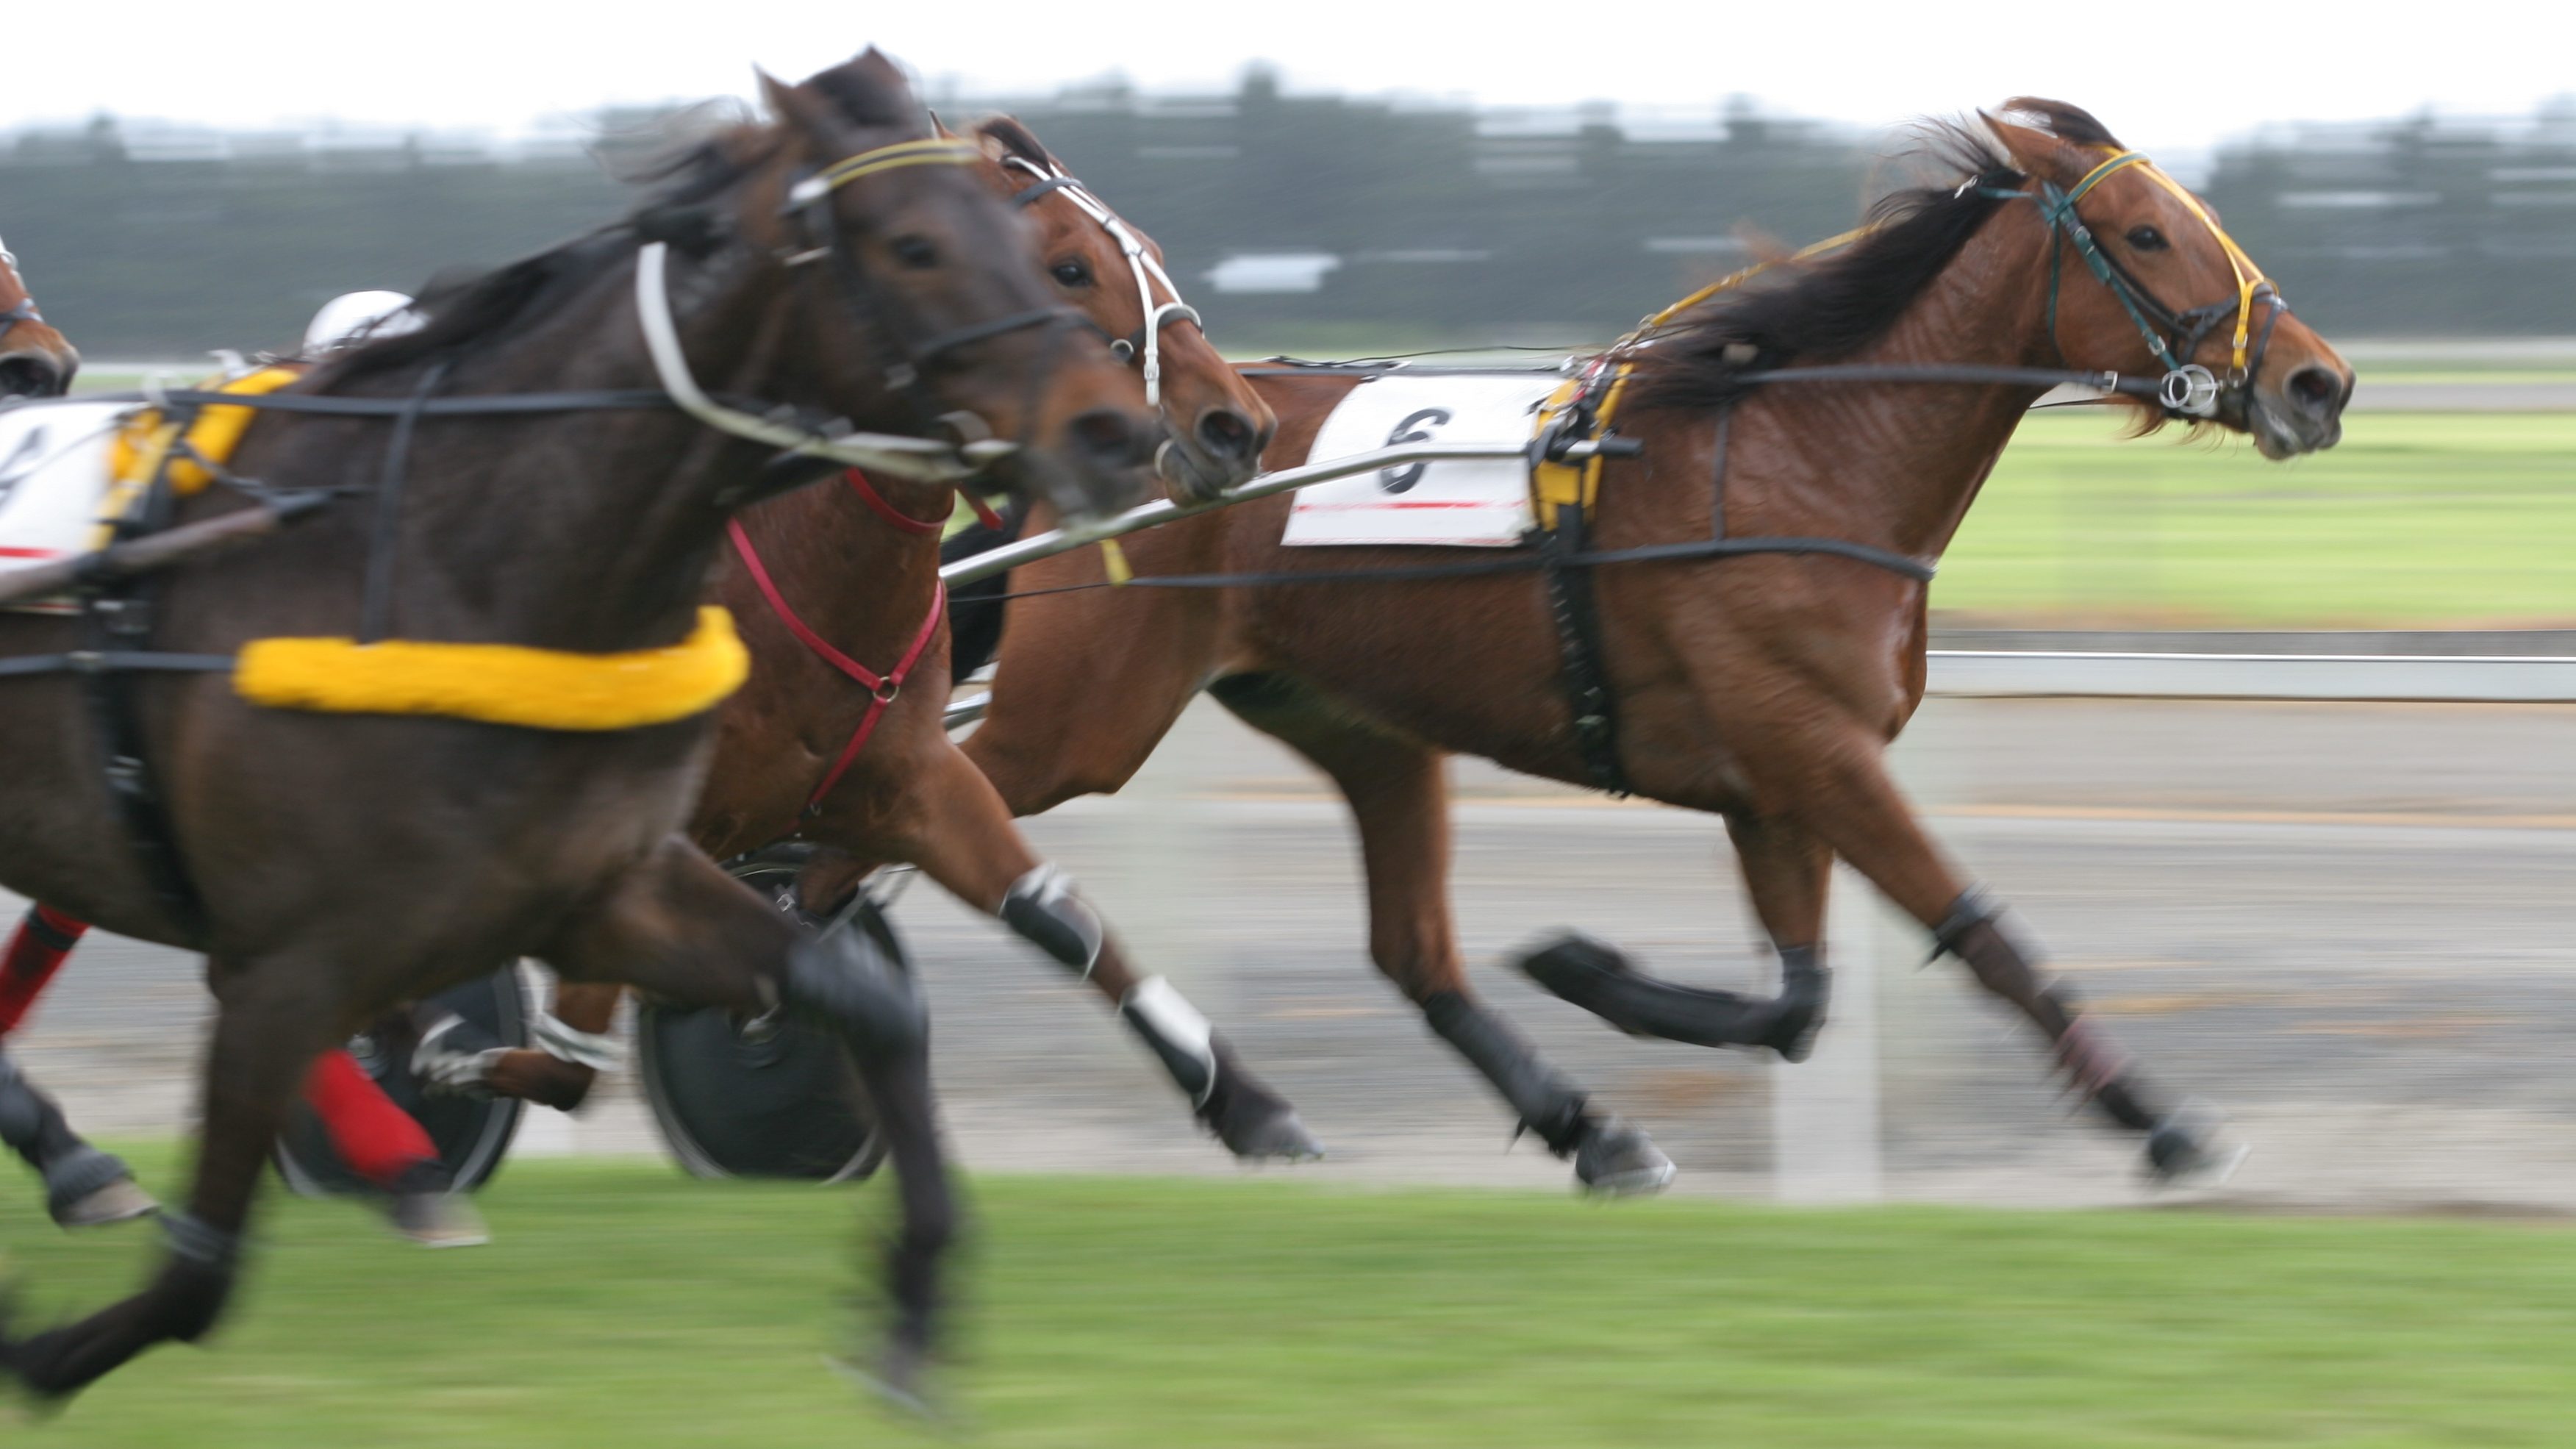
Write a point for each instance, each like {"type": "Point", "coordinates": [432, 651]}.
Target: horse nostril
{"type": "Point", "coordinates": [2316, 389]}
{"type": "Point", "coordinates": [1227, 434]}
{"type": "Point", "coordinates": [1110, 438]}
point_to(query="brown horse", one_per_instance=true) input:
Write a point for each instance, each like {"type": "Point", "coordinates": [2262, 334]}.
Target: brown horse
{"type": "Point", "coordinates": [35, 360]}
{"type": "Point", "coordinates": [806, 749]}
{"type": "Point", "coordinates": [835, 264]}
{"type": "Point", "coordinates": [1763, 688]}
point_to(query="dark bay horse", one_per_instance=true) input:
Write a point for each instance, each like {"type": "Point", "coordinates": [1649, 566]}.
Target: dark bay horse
{"type": "Point", "coordinates": [35, 360]}
{"type": "Point", "coordinates": [805, 749]}
{"type": "Point", "coordinates": [833, 269]}
{"type": "Point", "coordinates": [1764, 688]}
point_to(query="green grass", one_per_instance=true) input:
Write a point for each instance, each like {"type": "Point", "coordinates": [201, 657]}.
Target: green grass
{"type": "Point", "coordinates": [2416, 520]}
{"type": "Point", "coordinates": [626, 1307]}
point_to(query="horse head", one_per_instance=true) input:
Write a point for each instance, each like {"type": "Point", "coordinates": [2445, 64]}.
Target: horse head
{"type": "Point", "coordinates": [1104, 265]}
{"type": "Point", "coordinates": [947, 305]}
{"type": "Point", "coordinates": [35, 360]}
{"type": "Point", "coordinates": [2168, 290]}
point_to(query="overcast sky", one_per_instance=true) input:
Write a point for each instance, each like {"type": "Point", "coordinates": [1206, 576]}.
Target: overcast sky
{"type": "Point", "coordinates": [2173, 73]}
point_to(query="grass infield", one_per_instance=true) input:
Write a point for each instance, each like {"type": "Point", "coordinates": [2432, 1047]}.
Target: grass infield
{"type": "Point", "coordinates": [625, 1306]}
{"type": "Point", "coordinates": [2415, 520]}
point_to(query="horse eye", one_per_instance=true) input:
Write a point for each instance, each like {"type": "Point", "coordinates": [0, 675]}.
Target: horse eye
{"type": "Point", "coordinates": [2146, 239]}
{"type": "Point", "coordinates": [1072, 274]}
{"type": "Point", "coordinates": [915, 252]}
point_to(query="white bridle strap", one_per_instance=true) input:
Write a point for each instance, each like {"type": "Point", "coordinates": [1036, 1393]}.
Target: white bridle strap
{"type": "Point", "coordinates": [1140, 263]}
{"type": "Point", "coordinates": [916, 458]}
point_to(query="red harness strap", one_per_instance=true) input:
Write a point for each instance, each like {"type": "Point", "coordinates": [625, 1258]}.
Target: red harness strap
{"type": "Point", "coordinates": [882, 688]}
{"type": "Point", "coordinates": [888, 511]}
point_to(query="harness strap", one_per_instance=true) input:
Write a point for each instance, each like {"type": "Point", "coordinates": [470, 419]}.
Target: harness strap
{"type": "Point", "coordinates": [1578, 638]}
{"type": "Point", "coordinates": [902, 521]}
{"type": "Point", "coordinates": [882, 688]}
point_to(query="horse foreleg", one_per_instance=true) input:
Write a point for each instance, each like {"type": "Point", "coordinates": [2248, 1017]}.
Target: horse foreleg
{"type": "Point", "coordinates": [956, 828]}
{"type": "Point", "coordinates": [679, 928]}
{"type": "Point", "coordinates": [84, 1187]}
{"type": "Point", "coordinates": [1857, 808]}
{"type": "Point", "coordinates": [1399, 795]}
{"type": "Point", "coordinates": [268, 1029]}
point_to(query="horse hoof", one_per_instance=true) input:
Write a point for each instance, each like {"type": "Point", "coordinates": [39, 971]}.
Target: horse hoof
{"type": "Point", "coordinates": [1614, 1159]}
{"type": "Point", "coordinates": [118, 1202]}
{"type": "Point", "coordinates": [896, 1377]}
{"type": "Point", "coordinates": [1278, 1137]}
{"type": "Point", "coordinates": [2184, 1150]}
{"type": "Point", "coordinates": [86, 1188]}
{"type": "Point", "coordinates": [437, 1220]}
{"type": "Point", "coordinates": [1794, 1036]}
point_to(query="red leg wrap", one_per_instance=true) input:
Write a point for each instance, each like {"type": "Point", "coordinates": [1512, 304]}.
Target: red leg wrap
{"type": "Point", "coordinates": [376, 1138]}
{"type": "Point", "coordinates": [44, 938]}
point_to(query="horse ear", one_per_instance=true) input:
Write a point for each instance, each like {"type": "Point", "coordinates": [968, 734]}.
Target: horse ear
{"type": "Point", "coordinates": [871, 91]}
{"type": "Point", "coordinates": [1016, 139]}
{"type": "Point", "coordinates": [2036, 153]}
{"type": "Point", "coordinates": [802, 109]}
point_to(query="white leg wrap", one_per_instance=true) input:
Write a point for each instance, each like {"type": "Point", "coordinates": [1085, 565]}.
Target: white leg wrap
{"type": "Point", "coordinates": [1042, 906]}
{"type": "Point", "coordinates": [1178, 1034]}
{"type": "Point", "coordinates": [595, 1050]}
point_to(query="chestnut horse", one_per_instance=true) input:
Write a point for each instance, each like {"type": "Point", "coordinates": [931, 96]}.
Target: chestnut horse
{"type": "Point", "coordinates": [556, 480]}
{"type": "Point", "coordinates": [1765, 687]}
{"type": "Point", "coordinates": [35, 360]}
{"type": "Point", "coordinates": [806, 749]}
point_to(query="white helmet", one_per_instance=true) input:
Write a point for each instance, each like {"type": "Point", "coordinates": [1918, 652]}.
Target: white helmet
{"type": "Point", "coordinates": [359, 317]}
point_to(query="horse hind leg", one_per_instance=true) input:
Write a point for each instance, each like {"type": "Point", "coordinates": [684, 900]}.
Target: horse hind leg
{"type": "Point", "coordinates": [1786, 871]}
{"type": "Point", "coordinates": [84, 1186]}
{"type": "Point", "coordinates": [267, 1030]}
{"type": "Point", "coordinates": [1399, 796]}
{"type": "Point", "coordinates": [679, 928]}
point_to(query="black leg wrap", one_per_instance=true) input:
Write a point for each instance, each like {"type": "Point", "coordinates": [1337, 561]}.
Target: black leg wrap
{"type": "Point", "coordinates": [1595, 976]}
{"type": "Point", "coordinates": [198, 1277]}
{"type": "Point", "coordinates": [1976, 906]}
{"type": "Point", "coordinates": [1547, 1102]}
{"type": "Point", "coordinates": [2092, 1062]}
{"type": "Point", "coordinates": [850, 984]}
{"type": "Point", "coordinates": [1042, 907]}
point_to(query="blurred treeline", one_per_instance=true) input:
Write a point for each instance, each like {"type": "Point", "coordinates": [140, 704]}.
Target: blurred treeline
{"type": "Point", "coordinates": [1356, 223]}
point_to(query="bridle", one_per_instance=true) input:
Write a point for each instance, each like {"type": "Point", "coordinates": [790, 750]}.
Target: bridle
{"type": "Point", "coordinates": [1145, 345]}
{"type": "Point", "coordinates": [903, 359]}
{"type": "Point", "coordinates": [25, 311]}
{"type": "Point", "coordinates": [2187, 389]}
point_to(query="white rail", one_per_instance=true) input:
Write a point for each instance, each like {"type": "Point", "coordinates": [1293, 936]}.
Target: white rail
{"type": "Point", "coordinates": [2480, 679]}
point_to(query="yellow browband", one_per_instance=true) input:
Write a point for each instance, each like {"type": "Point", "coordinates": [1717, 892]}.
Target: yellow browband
{"type": "Point", "coordinates": [546, 689]}
{"type": "Point", "coordinates": [943, 151]}
{"type": "Point", "coordinates": [2248, 275]}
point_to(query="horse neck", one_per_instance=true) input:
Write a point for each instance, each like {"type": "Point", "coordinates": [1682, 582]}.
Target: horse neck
{"type": "Point", "coordinates": [1909, 459]}
{"type": "Point", "coordinates": [635, 508]}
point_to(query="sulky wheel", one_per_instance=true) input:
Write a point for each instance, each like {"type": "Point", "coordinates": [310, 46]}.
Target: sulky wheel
{"type": "Point", "coordinates": [772, 1097]}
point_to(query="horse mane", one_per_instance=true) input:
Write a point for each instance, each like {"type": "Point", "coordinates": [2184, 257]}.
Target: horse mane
{"type": "Point", "coordinates": [704, 151]}
{"type": "Point", "coordinates": [1837, 302]}
{"type": "Point", "coordinates": [477, 308]}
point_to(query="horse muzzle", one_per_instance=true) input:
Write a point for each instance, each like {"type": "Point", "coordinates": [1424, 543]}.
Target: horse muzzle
{"type": "Point", "coordinates": [2303, 413]}
{"type": "Point", "coordinates": [36, 372]}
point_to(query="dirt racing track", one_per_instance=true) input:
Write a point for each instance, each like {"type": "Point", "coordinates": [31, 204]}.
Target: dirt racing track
{"type": "Point", "coordinates": [2343, 924]}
